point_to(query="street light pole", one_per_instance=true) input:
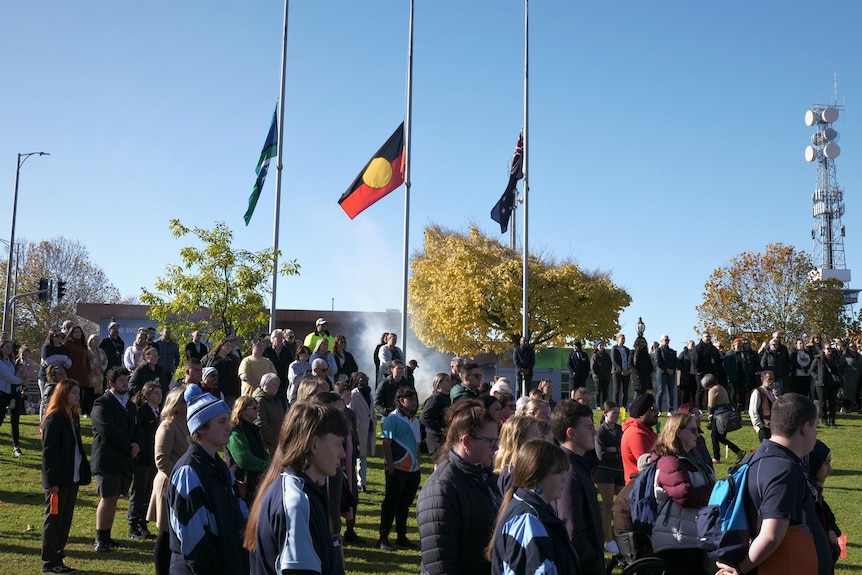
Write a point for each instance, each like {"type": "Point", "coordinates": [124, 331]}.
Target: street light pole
{"type": "Point", "coordinates": [21, 159]}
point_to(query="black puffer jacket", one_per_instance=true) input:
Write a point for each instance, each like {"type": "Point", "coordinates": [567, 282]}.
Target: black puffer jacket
{"type": "Point", "coordinates": [456, 511]}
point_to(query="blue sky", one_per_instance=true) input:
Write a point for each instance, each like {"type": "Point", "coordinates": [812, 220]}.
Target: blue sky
{"type": "Point", "coordinates": [665, 137]}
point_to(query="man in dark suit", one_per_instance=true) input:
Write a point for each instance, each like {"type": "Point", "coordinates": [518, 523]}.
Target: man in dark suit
{"type": "Point", "coordinates": [195, 348]}
{"type": "Point", "coordinates": [116, 441]}
{"type": "Point", "coordinates": [525, 360]}
{"type": "Point", "coordinates": [621, 363]}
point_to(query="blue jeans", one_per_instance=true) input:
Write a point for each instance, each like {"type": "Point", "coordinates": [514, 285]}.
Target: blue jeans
{"type": "Point", "coordinates": [665, 381]}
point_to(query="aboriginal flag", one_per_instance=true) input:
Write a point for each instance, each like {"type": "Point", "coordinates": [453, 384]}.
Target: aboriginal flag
{"type": "Point", "coordinates": [503, 208]}
{"type": "Point", "coordinates": [383, 173]}
{"type": "Point", "coordinates": [270, 149]}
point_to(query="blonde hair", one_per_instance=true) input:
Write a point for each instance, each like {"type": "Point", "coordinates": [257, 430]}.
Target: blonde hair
{"type": "Point", "coordinates": [532, 407]}
{"type": "Point", "coordinates": [513, 434]}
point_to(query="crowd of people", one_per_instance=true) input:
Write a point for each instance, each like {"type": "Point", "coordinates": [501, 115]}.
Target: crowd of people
{"type": "Point", "coordinates": [256, 464]}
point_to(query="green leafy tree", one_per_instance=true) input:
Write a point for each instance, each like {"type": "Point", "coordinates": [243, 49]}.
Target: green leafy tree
{"type": "Point", "coordinates": [217, 289]}
{"type": "Point", "coordinates": [465, 296]}
{"type": "Point", "coordinates": [57, 258]}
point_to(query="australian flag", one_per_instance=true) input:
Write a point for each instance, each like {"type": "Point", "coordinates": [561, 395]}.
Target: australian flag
{"type": "Point", "coordinates": [502, 210]}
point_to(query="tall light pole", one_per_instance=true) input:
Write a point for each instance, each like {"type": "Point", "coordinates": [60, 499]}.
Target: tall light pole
{"type": "Point", "coordinates": [21, 159]}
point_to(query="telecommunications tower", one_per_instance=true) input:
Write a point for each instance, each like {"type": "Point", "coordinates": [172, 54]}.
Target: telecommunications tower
{"type": "Point", "coordinates": [828, 198]}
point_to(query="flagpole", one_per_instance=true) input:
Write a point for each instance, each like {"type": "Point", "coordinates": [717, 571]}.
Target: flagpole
{"type": "Point", "coordinates": [525, 332]}
{"type": "Point", "coordinates": [407, 133]}
{"type": "Point", "coordinates": [278, 166]}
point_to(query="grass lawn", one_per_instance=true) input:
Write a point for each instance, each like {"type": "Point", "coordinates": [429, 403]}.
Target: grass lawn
{"type": "Point", "coordinates": [22, 508]}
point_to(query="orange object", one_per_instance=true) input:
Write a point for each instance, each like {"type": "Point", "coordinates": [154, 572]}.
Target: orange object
{"type": "Point", "coordinates": [842, 545]}
{"type": "Point", "coordinates": [55, 504]}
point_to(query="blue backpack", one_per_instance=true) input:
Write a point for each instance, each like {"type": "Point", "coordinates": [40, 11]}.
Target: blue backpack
{"type": "Point", "coordinates": [724, 526]}
{"type": "Point", "coordinates": [642, 500]}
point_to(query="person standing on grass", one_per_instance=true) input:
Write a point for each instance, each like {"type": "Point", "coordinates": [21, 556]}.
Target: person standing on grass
{"type": "Point", "coordinates": [207, 515]}
{"type": "Point", "coordinates": [64, 468]}
{"type": "Point", "coordinates": [172, 440]}
{"type": "Point", "coordinates": [116, 442]}
{"type": "Point", "coordinates": [459, 502]}
{"type": "Point", "coordinates": [11, 380]}
{"type": "Point", "coordinates": [609, 472]}
{"type": "Point", "coordinates": [718, 402]}
{"type": "Point", "coordinates": [789, 535]}
{"type": "Point", "coordinates": [288, 527]}
{"type": "Point", "coordinates": [528, 537]}
{"type": "Point", "coordinates": [577, 504]}
{"type": "Point", "coordinates": [401, 465]}
{"type": "Point", "coordinates": [144, 465]}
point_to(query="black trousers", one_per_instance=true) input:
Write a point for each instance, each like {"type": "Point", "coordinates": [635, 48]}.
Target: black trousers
{"type": "Point", "coordinates": [142, 488]}
{"type": "Point", "coordinates": [15, 415]}
{"type": "Point", "coordinates": [825, 395]}
{"type": "Point", "coordinates": [55, 529]}
{"type": "Point", "coordinates": [602, 386]}
{"type": "Point", "coordinates": [621, 389]}
{"type": "Point", "coordinates": [401, 488]}
{"type": "Point", "coordinates": [721, 438]}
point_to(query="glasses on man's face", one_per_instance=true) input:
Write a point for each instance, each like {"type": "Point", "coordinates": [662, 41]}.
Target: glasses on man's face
{"type": "Point", "coordinates": [492, 441]}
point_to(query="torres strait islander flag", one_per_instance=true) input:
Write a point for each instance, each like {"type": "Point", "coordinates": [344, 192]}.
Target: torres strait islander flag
{"type": "Point", "coordinates": [383, 173]}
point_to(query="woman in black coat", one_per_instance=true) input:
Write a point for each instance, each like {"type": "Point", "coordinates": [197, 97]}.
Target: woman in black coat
{"type": "Point", "coordinates": [642, 368]}
{"type": "Point", "coordinates": [825, 377]}
{"type": "Point", "coordinates": [458, 504]}
{"type": "Point", "coordinates": [434, 412]}
{"type": "Point", "coordinates": [148, 370]}
{"type": "Point", "coordinates": [61, 448]}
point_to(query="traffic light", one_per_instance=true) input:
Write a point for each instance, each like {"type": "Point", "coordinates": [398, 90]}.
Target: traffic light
{"type": "Point", "coordinates": [61, 289]}
{"type": "Point", "coordinates": [43, 289]}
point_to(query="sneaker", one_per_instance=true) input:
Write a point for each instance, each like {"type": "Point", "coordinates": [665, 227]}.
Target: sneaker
{"type": "Point", "coordinates": [404, 542]}
{"type": "Point", "coordinates": [100, 546]}
{"type": "Point", "coordinates": [16, 451]}
{"type": "Point", "coordinates": [383, 543]}
{"type": "Point", "coordinates": [61, 568]}
{"type": "Point", "coordinates": [136, 533]}
{"type": "Point", "coordinates": [740, 455]}
{"type": "Point", "coordinates": [114, 544]}
{"type": "Point", "coordinates": [612, 547]}
{"type": "Point", "coordinates": [351, 538]}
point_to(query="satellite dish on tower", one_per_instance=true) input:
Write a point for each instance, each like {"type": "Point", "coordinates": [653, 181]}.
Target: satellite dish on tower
{"type": "Point", "coordinates": [829, 134]}
{"type": "Point", "coordinates": [810, 118]}
{"type": "Point", "coordinates": [829, 115]}
{"type": "Point", "coordinates": [810, 153]}
{"type": "Point", "coordinates": [831, 151]}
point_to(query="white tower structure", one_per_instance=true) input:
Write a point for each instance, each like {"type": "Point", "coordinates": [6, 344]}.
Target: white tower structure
{"type": "Point", "coordinates": [828, 198]}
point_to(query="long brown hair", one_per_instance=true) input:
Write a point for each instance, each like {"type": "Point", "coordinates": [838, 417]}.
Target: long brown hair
{"type": "Point", "coordinates": [59, 401]}
{"type": "Point", "coordinates": [304, 421]}
{"type": "Point", "coordinates": [536, 460]}
{"type": "Point", "coordinates": [668, 442]}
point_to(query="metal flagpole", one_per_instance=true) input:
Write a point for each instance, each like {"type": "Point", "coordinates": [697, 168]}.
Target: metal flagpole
{"type": "Point", "coordinates": [407, 133]}
{"type": "Point", "coordinates": [524, 156]}
{"type": "Point", "coordinates": [278, 166]}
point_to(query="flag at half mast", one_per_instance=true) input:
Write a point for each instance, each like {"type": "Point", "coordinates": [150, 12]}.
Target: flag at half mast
{"type": "Point", "coordinates": [270, 149]}
{"type": "Point", "coordinates": [382, 174]}
{"type": "Point", "coordinates": [503, 208]}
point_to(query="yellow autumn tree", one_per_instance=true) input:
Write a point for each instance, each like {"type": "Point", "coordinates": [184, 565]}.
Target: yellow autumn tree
{"type": "Point", "coordinates": [465, 296]}
{"type": "Point", "coordinates": [764, 292]}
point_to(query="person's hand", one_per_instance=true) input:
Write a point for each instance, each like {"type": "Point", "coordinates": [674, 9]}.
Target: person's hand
{"type": "Point", "coordinates": [54, 489]}
{"type": "Point", "coordinates": [135, 450]}
{"type": "Point", "coordinates": [725, 569]}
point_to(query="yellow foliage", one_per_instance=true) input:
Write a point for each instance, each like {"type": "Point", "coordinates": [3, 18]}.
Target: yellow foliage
{"type": "Point", "coordinates": [465, 296]}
